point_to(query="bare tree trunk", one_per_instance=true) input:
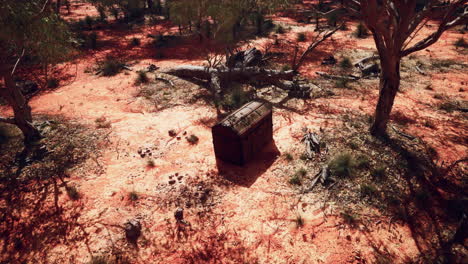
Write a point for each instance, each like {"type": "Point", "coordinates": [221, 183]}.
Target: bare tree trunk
{"type": "Point", "coordinates": [150, 4]}
{"type": "Point", "coordinates": [389, 85]}
{"type": "Point", "coordinates": [21, 109]}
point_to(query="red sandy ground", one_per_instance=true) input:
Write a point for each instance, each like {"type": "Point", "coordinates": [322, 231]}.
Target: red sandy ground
{"type": "Point", "coordinates": [261, 213]}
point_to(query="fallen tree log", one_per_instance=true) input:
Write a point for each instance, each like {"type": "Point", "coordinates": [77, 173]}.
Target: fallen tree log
{"type": "Point", "coordinates": [242, 75]}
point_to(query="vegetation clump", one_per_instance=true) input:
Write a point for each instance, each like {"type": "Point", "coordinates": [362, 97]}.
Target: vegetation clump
{"type": "Point", "coordinates": [461, 43]}
{"type": "Point", "coordinates": [192, 139]}
{"type": "Point", "coordinates": [53, 83]}
{"type": "Point", "coordinates": [111, 66]}
{"type": "Point", "coordinates": [361, 31]}
{"type": "Point", "coordinates": [141, 78]}
{"type": "Point", "coordinates": [346, 63]}
{"type": "Point", "coordinates": [301, 37]}
{"type": "Point", "coordinates": [133, 196]}
{"type": "Point", "coordinates": [72, 192]}
{"type": "Point", "coordinates": [342, 166]}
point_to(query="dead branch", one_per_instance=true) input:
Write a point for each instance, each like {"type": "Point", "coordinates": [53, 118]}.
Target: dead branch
{"type": "Point", "coordinates": [338, 77]}
{"type": "Point", "coordinates": [318, 40]}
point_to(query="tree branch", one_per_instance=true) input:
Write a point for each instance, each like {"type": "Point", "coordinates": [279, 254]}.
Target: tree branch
{"type": "Point", "coordinates": [313, 45]}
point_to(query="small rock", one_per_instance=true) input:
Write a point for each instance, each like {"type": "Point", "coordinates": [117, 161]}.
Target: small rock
{"type": "Point", "coordinates": [178, 138]}
{"type": "Point", "coordinates": [171, 182]}
{"type": "Point", "coordinates": [132, 230]}
{"type": "Point", "coordinates": [180, 178]}
{"type": "Point", "coordinates": [172, 133]}
{"type": "Point", "coordinates": [179, 214]}
{"type": "Point", "coordinates": [185, 133]}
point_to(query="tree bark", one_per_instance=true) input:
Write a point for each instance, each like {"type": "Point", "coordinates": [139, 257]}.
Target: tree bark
{"type": "Point", "coordinates": [58, 4]}
{"type": "Point", "coordinates": [21, 109]}
{"type": "Point", "coordinates": [389, 85]}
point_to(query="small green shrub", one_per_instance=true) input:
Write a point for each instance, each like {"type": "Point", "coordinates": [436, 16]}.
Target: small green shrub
{"type": "Point", "coordinates": [111, 66]}
{"type": "Point", "coordinates": [304, 157]}
{"type": "Point", "coordinates": [286, 67]}
{"type": "Point", "coordinates": [302, 172]}
{"type": "Point", "coordinates": [53, 83]}
{"type": "Point", "coordinates": [461, 43]}
{"type": "Point", "coordinates": [288, 156]}
{"type": "Point", "coordinates": [72, 192]}
{"type": "Point", "coordinates": [354, 144]}
{"type": "Point", "coordinates": [342, 83]}
{"type": "Point", "coordinates": [361, 31]}
{"type": "Point", "coordinates": [295, 180]}
{"type": "Point", "coordinates": [346, 63]}
{"type": "Point", "coordinates": [348, 218]}
{"type": "Point", "coordinates": [141, 78]}
{"type": "Point", "coordinates": [301, 37]}
{"type": "Point", "coordinates": [192, 139]}
{"type": "Point", "coordinates": [342, 165]}
{"type": "Point", "coordinates": [299, 221]}
{"type": "Point", "coordinates": [133, 196]}
{"type": "Point", "coordinates": [235, 99]}
{"type": "Point", "coordinates": [135, 42]}
{"type": "Point", "coordinates": [280, 30]}
{"type": "Point", "coordinates": [379, 172]}
{"type": "Point", "coordinates": [368, 190]}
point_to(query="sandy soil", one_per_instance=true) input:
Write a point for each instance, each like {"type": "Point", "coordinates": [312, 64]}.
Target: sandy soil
{"type": "Point", "coordinates": [253, 217]}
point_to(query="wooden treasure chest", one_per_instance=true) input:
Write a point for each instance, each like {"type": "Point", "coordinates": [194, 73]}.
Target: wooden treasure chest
{"type": "Point", "coordinates": [239, 137]}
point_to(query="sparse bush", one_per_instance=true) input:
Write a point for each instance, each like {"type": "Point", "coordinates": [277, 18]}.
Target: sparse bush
{"type": "Point", "coordinates": [141, 78]}
{"type": "Point", "coordinates": [348, 218]}
{"type": "Point", "coordinates": [448, 106]}
{"type": "Point", "coordinates": [192, 139]}
{"type": "Point", "coordinates": [304, 156]}
{"type": "Point", "coordinates": [280, 30]}
{"type": "Point", "coordinates": [235, 99]}
{"type": "Point", "coordinates": [346, 63]}
{"type": "Point", "coordinates": [302, 172]}
{"type": "Point", "coordinates": [150, 163]}
{"type": "Point", "coordinates": [133, 196]}
{"type": "Point", "coordinates": [439, 96]}
{"type": "Point", "coordinates": [288, 156]}
{"type": "Point", "coordinates": [461, 43]}
{"type": "Point", "coordinates": [111, 66]}
{"type": "Point", "coordinates": [342, 165]}
{"type": "Point", "coordinates": [102, 122]}
{"type": "Point", "coordinates": [361, 31]}
{"type": "Point", "coordinates": [72, 192]}
{"type": "Point", "coordinates": [444, 63]}
{"type": "Point", "coordinates": [53, 83]}
{"type": "Point", "coordinates": [286, 67]}
{"type": "Point", "coordinates": [379, 172]}
{"type": "Point", "coordinates": [135, 42]}
{"type": "Point", "coordinates": [301, 37]}
{"type": "Point", "coordinates": [353, 144]}
{"type": "Point", "coordinates": [368, 190]}
{"type": "Point", "coordinates": [295, 180]}
{"type": "Point", "coordinates": [299, 221]}
{"type": "Point", "coordinates": [342, 83]}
